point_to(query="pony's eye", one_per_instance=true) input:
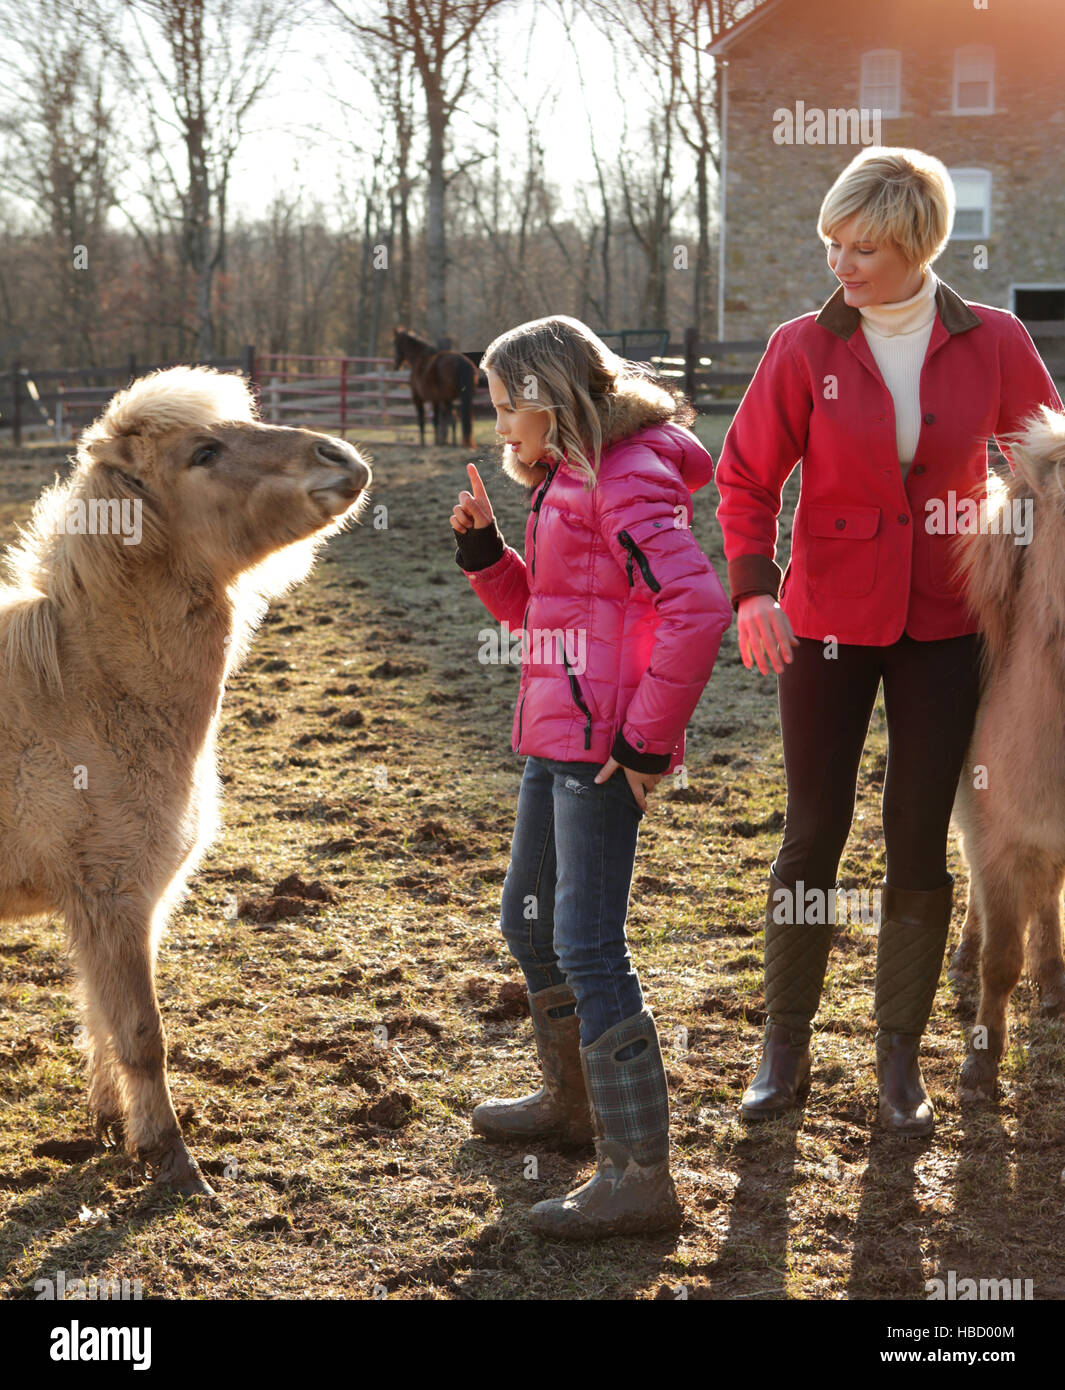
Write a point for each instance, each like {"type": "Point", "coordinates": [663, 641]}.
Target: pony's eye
{"type": "Point", "coordinates": [205, 455]}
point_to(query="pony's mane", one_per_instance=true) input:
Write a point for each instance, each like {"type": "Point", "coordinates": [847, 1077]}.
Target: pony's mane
{"type": "Point", "coordinates": [173, 398]}
{"type": "Point", "coordinates": [415, 338]}
{"type": "Point", "coordinates": [991, 566]}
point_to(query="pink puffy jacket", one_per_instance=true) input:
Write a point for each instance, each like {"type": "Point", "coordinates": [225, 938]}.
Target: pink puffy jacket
{"type": "Point", "coordinates": [622, 612]}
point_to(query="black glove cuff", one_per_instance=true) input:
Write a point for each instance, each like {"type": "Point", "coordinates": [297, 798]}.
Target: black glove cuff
{"type": "Point", "coordinates": [479, 547]}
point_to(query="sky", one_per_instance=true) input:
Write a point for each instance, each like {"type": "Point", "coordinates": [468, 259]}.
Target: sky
{"type": "Point", "coordinates": [537, 62]}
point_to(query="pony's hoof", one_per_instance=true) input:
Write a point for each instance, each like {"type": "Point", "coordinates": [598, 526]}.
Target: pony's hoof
{"type": "Point", "coordinates": [181, 1173]}
{"type": "Point", "coordinates": [979, 1080]}
{"type": "Point", "coordinates": [189, 1183]}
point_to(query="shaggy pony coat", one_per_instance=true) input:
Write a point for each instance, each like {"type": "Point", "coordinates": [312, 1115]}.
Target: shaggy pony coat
{"type": "Point", "coordinates": [1011, 795]}
{"type": "Point", "coordinates": [113, 657]}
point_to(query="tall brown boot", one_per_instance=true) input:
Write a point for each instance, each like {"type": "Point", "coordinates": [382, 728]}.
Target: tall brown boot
{"type": "Point", "coordinates": [796, 958]}
{"type": "Point", "coordinates": [557, 1115]}
{"type": "Point", "coordinates": [631, 1192]}
{"type": "Point", "coordinates": [909, 956]}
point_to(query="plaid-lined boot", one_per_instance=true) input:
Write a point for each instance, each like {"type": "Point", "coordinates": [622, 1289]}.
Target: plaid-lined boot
{"type": "Point", "coordinates": [796, 958]}
{"type": "Point", "coordinates": [557, 1115]}
{"type": "Point", "coordinates": [909, 956]}
{"type": "Point", "coordinates": [631, 1192]}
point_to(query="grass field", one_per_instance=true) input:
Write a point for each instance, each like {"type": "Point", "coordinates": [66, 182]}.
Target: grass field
{"type": "Point", "coordinates": [365, 751]}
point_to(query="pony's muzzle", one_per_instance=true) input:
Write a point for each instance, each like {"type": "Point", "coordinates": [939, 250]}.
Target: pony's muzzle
{"type": "Point", "coordinates": [356, 475]}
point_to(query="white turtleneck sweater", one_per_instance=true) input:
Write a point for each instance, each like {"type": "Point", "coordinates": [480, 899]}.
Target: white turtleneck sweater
{"type": "Point", "coordinates": [898, 336]}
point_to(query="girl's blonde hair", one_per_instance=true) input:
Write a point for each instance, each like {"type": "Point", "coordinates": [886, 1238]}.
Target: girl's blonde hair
{"type": "Point", "coordinates": [900, 195]}
{"type": "Point", "coordinates": [559, 365]}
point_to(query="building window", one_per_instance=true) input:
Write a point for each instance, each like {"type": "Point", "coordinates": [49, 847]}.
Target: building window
{"type": "Point", "coordinates": [972, 210]}
{"type": "Point", "coordinates": [1039, 303]}
{"type": "Point", "coordinates": [881, 81]}
{"type": "Point", "coordinates": [974, 81]}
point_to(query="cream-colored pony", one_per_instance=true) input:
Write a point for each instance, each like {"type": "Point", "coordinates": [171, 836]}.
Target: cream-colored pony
{"type": "Point", "coordinates": [1011, 795]}
{"type": "Point", "coordinates": [133, 592]}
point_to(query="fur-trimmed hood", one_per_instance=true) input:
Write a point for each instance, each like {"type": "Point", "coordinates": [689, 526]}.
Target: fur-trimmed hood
{"type": "Point", "coordinates": [637, 405]}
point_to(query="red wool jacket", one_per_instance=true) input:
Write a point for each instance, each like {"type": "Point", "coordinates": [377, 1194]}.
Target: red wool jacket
{"type": "Point", "coordinates": [864, 567]}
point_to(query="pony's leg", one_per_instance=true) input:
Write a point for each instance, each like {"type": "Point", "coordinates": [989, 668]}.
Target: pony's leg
{"type": "Point", "coordinates": [1008, 887]}
{"type": "Point", "coordinates": [466, 407]}
{"type": "Point", "coordinates": [965, 963]}
{"type": "Point", "coordinates": [113, 949]}
{"type": "Point", "coordinates": [105, 1087]}
{"type": "Point", "coordinates": [419, 406]}
{"type": "Point", "coordinates": [1045, 962]}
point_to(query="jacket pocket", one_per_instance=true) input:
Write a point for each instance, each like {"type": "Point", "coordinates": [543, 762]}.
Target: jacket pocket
{"type": "Point", "coordinates": [579, 700]}
{"type": "Point", "coordinates": [637, 558]}
{"type": "Point", "coordinates": [842, 545]}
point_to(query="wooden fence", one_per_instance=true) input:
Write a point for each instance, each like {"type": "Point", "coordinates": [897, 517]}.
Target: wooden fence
{"type": "Point", "coordinates": [341, 394]}
{"type": "Point", "coordinates": [714, 375]}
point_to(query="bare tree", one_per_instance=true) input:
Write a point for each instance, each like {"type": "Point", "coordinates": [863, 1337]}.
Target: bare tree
{"type": "Point", "coordinates": [670, 38]}
{"type": "Point", "coordinates": [199, 68]}
{"type": "Point", "coordinates": [436, 38]}
{"type": "Point", "coordinates": [60, 154]}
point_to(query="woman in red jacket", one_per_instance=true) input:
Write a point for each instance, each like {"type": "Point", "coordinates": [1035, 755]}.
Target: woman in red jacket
{"type": "Point", "coordinates": [887, 397]}
{"type": "Point", "coordinates": [621, 616]}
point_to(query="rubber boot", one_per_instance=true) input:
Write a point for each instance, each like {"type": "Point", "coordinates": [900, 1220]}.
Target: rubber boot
{"type": "Point", "coordinates": [631, 1192]}
{"type": "Point", "coordinates": [557, 1115]}
{"type": "Point", "coordinates": [909, 957]}
{"type": "Point", "coordinates": [796, 958]}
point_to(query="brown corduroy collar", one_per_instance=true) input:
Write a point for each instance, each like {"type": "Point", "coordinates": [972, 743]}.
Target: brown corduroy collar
{"type": "Point", "coordinates": [842, 318]}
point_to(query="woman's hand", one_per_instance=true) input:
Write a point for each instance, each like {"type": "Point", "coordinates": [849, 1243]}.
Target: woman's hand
{"type": "Point", "coordinates": [765, 633]}
{"type": "Point", "coordinates": [472, 509]}
{"type": "Point", "coordinates": [640, 782]}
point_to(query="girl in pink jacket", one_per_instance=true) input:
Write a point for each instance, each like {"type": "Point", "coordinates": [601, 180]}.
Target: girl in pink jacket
{"type": "Point", "coordinates": [621, 617]}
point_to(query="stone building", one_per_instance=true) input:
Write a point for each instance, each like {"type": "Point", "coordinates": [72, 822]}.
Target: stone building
{"type": "Point", "coordinates": [980, 84]}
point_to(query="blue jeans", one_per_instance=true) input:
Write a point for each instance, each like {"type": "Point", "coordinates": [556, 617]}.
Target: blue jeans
{"type": "Point", "coordinates": [566, 893]}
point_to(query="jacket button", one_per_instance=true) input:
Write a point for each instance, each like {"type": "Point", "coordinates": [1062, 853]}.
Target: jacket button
{"type": "Point", "coordinates": [918, 470]}
{"type": "Point", "coordinates": [840, 523]}
{"type": "Point", "coordinates": [929, 419]}
{"type": "Point", "coordinates": [904, 520]}
{"type": "Point", "coordinates": [639, 743]}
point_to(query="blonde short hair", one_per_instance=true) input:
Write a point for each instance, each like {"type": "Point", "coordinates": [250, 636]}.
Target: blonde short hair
{"type": "Point", "coordinates": [900, 195]}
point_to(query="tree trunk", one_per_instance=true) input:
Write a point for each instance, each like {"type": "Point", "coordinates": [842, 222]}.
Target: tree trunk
{"type": "Point", "coordinates": [436, 244]}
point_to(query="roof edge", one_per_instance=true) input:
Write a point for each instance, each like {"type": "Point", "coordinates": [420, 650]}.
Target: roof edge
{"type": "Point", "coordinates": [721, 45]}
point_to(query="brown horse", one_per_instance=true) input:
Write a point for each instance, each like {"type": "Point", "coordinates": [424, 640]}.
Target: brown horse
{"type": "Point", "coordinates": [1011, 795]}
{"type": "Point", "coordinates": [438, 377]}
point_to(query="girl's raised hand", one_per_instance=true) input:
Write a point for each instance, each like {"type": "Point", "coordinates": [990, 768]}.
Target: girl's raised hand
{"type": "Point", "coordinates": [472, 509]}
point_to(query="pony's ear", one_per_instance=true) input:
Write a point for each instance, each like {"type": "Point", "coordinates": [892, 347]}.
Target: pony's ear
{"type": "Point", "coordinates": [119, 455]}
{"type": "Point", "coordinates": [114, 451]}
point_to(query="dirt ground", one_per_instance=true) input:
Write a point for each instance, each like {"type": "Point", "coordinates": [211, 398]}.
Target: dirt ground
{"type": "Point", "coordinates": [338, 998]}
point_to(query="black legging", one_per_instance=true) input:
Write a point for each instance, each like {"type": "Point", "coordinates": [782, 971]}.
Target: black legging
{"type": "Point", "coordinates": [931, 690]}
